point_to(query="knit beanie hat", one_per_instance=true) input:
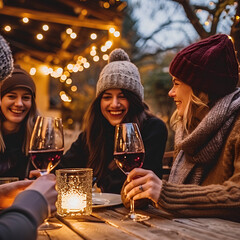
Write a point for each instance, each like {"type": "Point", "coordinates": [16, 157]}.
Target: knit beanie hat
{"type": "Point", "coordinates": [209, 65]}
{"type": "Point", "coordinates": [6, 60]}
{"type": "Point", "coordinates": [120, 73]}
{"type": "Point", "coordinates": [19, 78]}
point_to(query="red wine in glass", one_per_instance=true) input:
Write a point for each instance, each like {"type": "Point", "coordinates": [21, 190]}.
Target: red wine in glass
{"type": "Point", "coordinates": [45, 160]}
{"type": "Point", "coordinates": [127, 161]}
{"type": "Point", "coordinates": [129, 154]}
{"type": "Point", "coordinates": [46, 149]}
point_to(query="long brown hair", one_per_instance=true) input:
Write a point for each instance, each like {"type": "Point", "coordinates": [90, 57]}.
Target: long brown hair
{"type": "Point", "coordinates": [95, 127]}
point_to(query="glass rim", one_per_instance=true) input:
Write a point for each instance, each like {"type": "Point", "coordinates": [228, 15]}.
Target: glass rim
{"type": "Point", "coordinates": [49, 117]}
{"type": "Point", "coordinates": [73, 170]}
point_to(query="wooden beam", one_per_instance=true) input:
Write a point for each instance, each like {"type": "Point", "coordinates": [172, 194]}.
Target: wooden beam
{"type": "Point", "coordinates": [57, 18]}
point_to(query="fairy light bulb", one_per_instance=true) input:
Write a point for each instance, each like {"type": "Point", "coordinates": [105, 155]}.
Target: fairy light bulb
{"type": "Point", "coordinates": [69, 81]}
{"type": "Point", "coordinates": [25, 20]}
{"type": "Point", "coordinates": [96, 58]}
{"type": "Point", "coordinates": [7, 28]}
{"type": "Point", "coordinates": [45, 27]}
{"type": "Point", "coordinates": [32, 71]}
{"type": "Point", "coordinates": [86, 64]}
{"type": "Point", "coordinates": [105, 57]}
{"type": "Point", "coordinates": [93, 36]}
{"type": "Point", "coordinates": [108, 44]}
{"type": "Point", "coordinates": [116, 34]}
{"type": "Point", "coordinates": [103, 48]}
{"type": "Point", "coordinates": [73, 35]}
{"type": "Point", "coordinates": [69, 31]}
{"type": "Point", "coordinates": [112, 30]}
{"type": "Point", "coordinates": [39, 36]}
{"type": "Point", "coordinates": [74, 88]}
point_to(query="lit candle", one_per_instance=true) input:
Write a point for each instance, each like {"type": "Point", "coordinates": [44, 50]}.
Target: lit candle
{"type": "Point", "coordinates": [74, 202]}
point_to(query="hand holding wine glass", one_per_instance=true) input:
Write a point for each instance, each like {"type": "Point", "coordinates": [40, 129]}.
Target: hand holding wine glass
{"type": "Point", "coordinates": [46, 149]}
{"type": "Point", "coordinates": [129, 154]}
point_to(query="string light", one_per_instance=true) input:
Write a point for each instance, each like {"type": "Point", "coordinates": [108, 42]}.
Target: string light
{"type": "Point", "coordinates": [39, 36]}
{"type": "Point", "coordinates": [73, 35]}
{"type": "Point", "coordinates": [103, 48]}
{"type": "Point", "coordinates": [112, 30]}
{"type": "Point", "coordinates": [106, 5]}
{"type": "Point", "coordinates": [108, 44]}
{"type": "Point", "coordinates": [93, 52]}
{"type": "Point", "coordinates": [74, 88]}
{"type": "Point", "coordinates": [25, 20]}
{"type": "Point", "coordinates": [63, 77]}
{"type": "Point", "coordinates": [105, 57]}
{"type": "Point", "coordinates": [69, 81]}
{"type": "Point", "coordinates": [69, 31]}
{"type": "Point", "coordinates": [86, 64]}
{"type": "Point", "coordinates": [33, 71]}
{"type": "Point", "coordinates": [45, 27]}
{"type": "Point", "coordinates": [7, 28]}
{"type": "Point", "coordinates": [96, 58]}
{"type": "Point", "coordinates": [93, 36]}
{"type": "Point", "coordinates": [116, 34]}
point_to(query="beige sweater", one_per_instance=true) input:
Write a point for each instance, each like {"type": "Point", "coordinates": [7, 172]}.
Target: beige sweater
{"type": "Point", "coordinates": [218, 194]}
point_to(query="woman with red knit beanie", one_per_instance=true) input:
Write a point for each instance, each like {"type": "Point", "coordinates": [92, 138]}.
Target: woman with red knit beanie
{"type": "Point", "coordinates": [205, 176]}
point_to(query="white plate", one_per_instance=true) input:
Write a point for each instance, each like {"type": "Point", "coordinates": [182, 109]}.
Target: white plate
{"type": "Point", "coordinates": [100, 200]}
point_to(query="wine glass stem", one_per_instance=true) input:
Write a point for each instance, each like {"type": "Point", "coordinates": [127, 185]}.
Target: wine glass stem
{"type": "Point", "coordinates": [132, 210]}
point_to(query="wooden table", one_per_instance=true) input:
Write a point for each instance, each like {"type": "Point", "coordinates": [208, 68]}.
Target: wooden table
{"type": "Point", "coordinates": [105, 223]}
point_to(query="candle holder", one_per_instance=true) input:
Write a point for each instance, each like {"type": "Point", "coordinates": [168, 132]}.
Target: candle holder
{"type": "Point", "coordinates": [74, 188]}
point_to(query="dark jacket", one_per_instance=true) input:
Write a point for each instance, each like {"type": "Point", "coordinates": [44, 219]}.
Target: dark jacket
{"type": "Point", "coordinates": [154, 135]}
{"type": "Point", "coordinates": [20, 221]}
{"type": "Point", "coordinates": [13, 162]}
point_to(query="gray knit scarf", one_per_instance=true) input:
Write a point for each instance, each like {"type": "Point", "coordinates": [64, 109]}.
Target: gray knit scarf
{"type": "Point", "coordinates": [204, 145]}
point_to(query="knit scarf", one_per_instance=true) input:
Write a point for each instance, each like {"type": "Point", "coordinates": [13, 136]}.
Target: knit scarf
{"type": "Point", "coordinates": [203, 146]}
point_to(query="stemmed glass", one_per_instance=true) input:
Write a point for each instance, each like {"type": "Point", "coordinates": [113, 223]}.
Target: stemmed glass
{"type": "Point", "coordinates": [46, 149]}
{"type": "Point", "coordinates": [129, 154]}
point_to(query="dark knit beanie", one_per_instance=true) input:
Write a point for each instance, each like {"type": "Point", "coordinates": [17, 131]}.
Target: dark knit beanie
{"type": "Point", "coordinates": [120, 73]}
{"type": "Point", "coordinates": [19, 78]}
{"type": "Point", "coordinates": [209, 65]}
{"type": "Point", "coordinates": [6, 60]}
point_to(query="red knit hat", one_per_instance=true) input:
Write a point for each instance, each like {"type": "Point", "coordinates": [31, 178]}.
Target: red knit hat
{"type": "Point", "coordinates": [209, 65]}
{"type": "Point", "coordinates": [19, 78]}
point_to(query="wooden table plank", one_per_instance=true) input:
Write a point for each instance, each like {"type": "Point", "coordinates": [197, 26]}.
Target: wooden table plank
{"type": "Point", "coordinates": [62, 233]}
{"type": "Point", "coordinates": [106, 224]}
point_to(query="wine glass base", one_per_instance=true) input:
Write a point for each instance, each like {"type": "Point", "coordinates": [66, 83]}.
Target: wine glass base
{"type": "Point", "coordinates": [49, 226]}
{"type": "Point", "coordinates": [136, 217]}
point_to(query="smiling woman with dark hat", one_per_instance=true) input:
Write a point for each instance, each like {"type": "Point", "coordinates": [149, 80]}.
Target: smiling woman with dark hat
{"type": "Point", "coordinates": [18, 111]}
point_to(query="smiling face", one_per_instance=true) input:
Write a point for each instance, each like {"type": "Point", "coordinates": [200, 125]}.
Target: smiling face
{"type": "Point", "coordinates": [114, 106]}
{"type": "Point", "coordinates": [15, 106]}
{"type": "Point", "coordinates": [181, 94]}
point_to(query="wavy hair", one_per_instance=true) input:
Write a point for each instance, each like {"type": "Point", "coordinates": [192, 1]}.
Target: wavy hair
{"type": "Point", "coordinates": [95, 127]}
{"type": "Point", "coordinates": [196, 109]}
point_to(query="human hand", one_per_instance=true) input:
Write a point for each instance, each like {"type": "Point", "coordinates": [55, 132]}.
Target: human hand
{"type": "Point", "coordinates": [34, 174]}
{"type": "Point", "coordinates": [143, 184]}
{"type": "Point", "coordinates": [9, 191]}
{"type": "Point", "coordinates": [46, 186]}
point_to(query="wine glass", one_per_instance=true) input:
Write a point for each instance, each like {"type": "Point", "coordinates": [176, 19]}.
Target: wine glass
{"type": "Point", "coordinates": [129, 154]}
{"type": "Point", "coordinates": [46, 149]}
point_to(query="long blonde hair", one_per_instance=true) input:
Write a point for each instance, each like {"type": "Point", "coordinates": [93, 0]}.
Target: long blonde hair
{"type": "Point", "coordinates": [26, 124]}
{"type": "Point", "coordinates": [196, 109]}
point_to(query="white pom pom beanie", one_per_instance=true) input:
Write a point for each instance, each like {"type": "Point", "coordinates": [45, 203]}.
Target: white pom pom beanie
{"type": "Point", "coordinates": [120, 73]}
{"type": "Point", "coordinates": [6, 60]}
